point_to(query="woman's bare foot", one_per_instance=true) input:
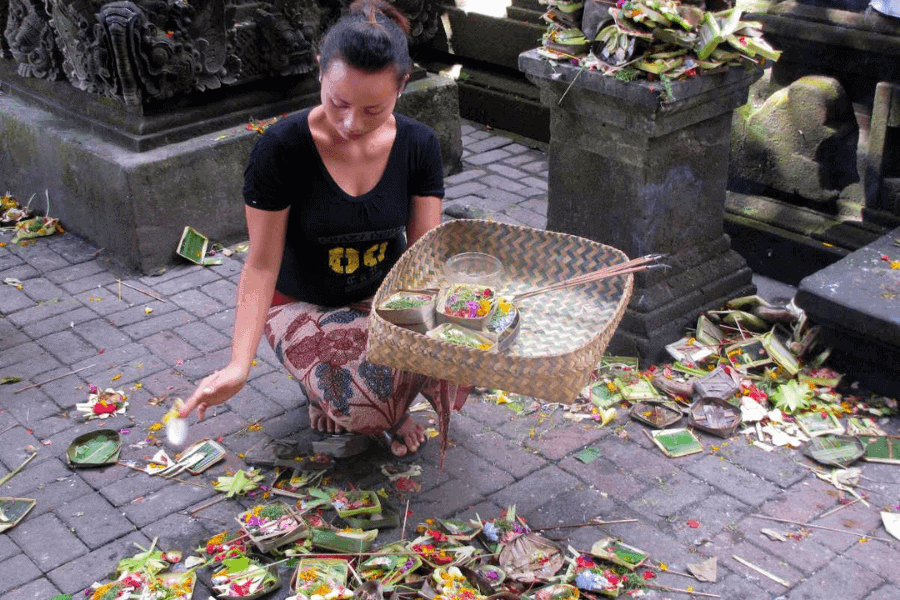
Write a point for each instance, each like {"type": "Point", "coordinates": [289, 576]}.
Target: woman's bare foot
{"type": "Point", "coordinates": [406, 436]}
{"type": "Point", "coordinates": [320, 421]}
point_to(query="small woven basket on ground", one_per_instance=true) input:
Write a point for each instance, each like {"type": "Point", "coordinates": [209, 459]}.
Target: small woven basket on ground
{"type": "Point", "coordinates": [562, 333]}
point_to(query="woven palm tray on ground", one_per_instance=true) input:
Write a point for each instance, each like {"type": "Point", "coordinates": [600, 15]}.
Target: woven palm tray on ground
{"type": "Point", "coordinates": [562, 333]}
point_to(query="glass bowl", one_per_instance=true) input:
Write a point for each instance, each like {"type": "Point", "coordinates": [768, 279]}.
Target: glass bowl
{"type": "Point", "coordinates": [474, 267]}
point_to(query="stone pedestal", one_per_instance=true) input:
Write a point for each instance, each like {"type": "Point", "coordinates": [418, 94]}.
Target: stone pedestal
{"type": "Point", "coordinates": [131, 189]}
{"type": "Point", "coordinates": [647, 176]}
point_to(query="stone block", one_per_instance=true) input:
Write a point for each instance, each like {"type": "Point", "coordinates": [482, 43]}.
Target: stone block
{"type": "Point", "coordinates": [17, 571]}
{"type": "Point", "coordinates": [47, 541]}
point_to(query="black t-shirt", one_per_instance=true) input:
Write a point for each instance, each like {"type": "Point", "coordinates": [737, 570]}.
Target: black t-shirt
{"type": "Point", "coordinates": [339, 247]}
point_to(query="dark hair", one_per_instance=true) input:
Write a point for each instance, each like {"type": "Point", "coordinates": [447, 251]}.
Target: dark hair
{"type": "Point", "coordinates": [371, 38]}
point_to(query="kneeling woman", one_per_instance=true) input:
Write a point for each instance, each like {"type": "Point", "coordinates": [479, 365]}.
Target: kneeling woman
{"type": "Point", "coordinates": [334, 194]}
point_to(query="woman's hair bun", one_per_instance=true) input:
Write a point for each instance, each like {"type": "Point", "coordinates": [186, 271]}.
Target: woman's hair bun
{"type": "Point", "coordinates": [372, 8]}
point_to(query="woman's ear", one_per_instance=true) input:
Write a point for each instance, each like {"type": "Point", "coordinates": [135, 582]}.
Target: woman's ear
{"type": "Point", "coordinates": [403, 83]}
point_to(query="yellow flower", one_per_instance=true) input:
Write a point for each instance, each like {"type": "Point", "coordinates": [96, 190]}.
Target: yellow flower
{"type": "Point", "coordinates": [155, 427]}
{"type": "Point", "coordinates": [895, 265]}
{"type": "Point", "coordinates": [147, 310]}
{"type": "Point", "coordinates": [115, 377]}
{"type": "Point", "coordinates": [484, 307]}
{"type": "Point", "coordinates": [663, 567]}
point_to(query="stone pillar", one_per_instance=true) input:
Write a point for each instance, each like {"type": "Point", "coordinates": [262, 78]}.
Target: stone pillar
{"type": "Point", "coordinates": [645, 176]}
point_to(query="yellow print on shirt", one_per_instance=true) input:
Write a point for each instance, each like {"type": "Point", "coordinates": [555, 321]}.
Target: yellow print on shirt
{"type": "Point", "coordinates": [346, 260]}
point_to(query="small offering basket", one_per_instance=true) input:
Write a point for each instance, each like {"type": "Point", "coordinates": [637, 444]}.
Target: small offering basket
{"type": "Point", "coordinates": [467, 305]}
{"type": "Point", "coordinates": [410, 309]}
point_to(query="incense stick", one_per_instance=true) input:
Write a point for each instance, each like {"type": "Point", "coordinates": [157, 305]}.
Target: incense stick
{"type": "Point", "coordinates": [856, 533]}
{"type": "Point", "coordinates": [761, 571]}
{"type": "Point", "coordinates": [145, 292]}
{"type": "Point", "coordinates": [34, 385]}
{"type": "Point", "coordinates": [631, 266]}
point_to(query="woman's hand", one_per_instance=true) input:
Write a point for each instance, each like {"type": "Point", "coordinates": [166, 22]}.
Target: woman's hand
{"type": "Point", "coordinates": [215, 389]}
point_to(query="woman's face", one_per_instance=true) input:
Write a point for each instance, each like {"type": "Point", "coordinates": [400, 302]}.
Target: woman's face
{"type": "Point", "coordinates": [358, 102]}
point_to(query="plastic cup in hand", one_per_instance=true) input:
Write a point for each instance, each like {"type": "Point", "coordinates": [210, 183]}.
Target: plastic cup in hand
{"type": "Point", "coordinates": [176, 427]}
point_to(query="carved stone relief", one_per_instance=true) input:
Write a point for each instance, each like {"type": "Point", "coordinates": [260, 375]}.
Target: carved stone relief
{"type": "Point", "coordinates": [145, 51]}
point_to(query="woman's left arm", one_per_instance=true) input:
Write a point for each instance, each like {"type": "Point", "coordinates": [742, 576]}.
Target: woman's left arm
{"type": "Point", "coordinates": [424, 215]}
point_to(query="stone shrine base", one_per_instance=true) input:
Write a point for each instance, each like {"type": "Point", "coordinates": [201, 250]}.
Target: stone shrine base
{"type": "Point", "coordinates": [135, 205]}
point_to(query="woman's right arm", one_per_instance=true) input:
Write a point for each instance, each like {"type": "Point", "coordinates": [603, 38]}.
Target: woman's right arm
{"type": "Point", "coordinates": [267, 230]}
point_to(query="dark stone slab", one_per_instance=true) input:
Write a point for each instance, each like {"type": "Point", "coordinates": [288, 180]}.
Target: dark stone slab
{"type": "Point", "coordinates": [857, 302]}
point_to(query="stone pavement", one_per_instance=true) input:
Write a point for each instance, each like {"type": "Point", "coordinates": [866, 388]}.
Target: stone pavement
{"type": "Point", "coordinates": [71, 314]}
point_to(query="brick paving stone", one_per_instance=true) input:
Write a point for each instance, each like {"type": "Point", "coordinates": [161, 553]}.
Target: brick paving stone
{"type": "Point", "coordinates": [67, 346]}
{"type": "Point", "coordinates": [779, 466]}
{"type": "Point", "coordinates": [47, 541]}
{"type": "Point", "coordinates": [528, 217]}
{"type": "Point", "coordinates": [668, 497]}
{"type": "Point", "coordinates": [160, 503]}
{"type": "Point", "coordinates": [39, 289]}
{"type": "Point", "coordinates": [266, 361]}
{"type": "Point", "coordinates": [734, 586]}
{"type": "Point", "coordinates": [878, 557]}
{"type": "Point", "coordinates": [32, 406]}
{"type": "Point", "coordinates": [499, 200]}
{"type": "Point", "coordinates": [203, 365]}
{"type": "Point", "coordinates": [507, 172]}
{"type": "Point", "coordinates": [733, 480]}
{"type": "Point", "coordinates": [482, 474]}
{"type": "Point", "coordinates": [252, 406]}
{"type": "Point", "coordinates": [222, 321]}
{"type": "Point", "coordinates": [39, 589]}
{"type": "Point", "coordinates": [168, 382]}
{"type": "Point", "coordinates": [171, 272]}
{"type": "Point", "coordinates": [104, 476]}
{"type": "Point", "coordinates": [179, 532]}
{"type": "Point", "coordinates": [556, 443]}
{"type": "Point", "coordinates": [218, 422]}
{"type": "Point", "coordinates": [801, 502]}
{"type": "Point", "coordinates": [73, 248]}
{"type": "Point", "coordinates": [841, 578]}
{"type": "Point", "coordinates": [278, 387]}
{"type": "Point", "coordinates": [484, 158]}
{"type": "Point", "coordinates": [535, 167]}
{"type": "Point", "coordinates": [42, 312]}
{"type": "Point", "coordinates": [51, 426]}
{"type": "Point", "coordinates": [155, 323]}
{"type": "Point", "coordinates": [22, 272]}
{"type": "Point", "coordinates": [446, 500]}
{"type": "Point", "coordinates": [137, 314]}
{"type": "Point", "coordinates": [502, 182]}
{"type": "Point", "coordinates": [606, 476]}
{"type": "Point", "coordinates": [478, 134]}
{"type": "Point", "coordinates": [13, 443]}
{"type": "Point", "coordinates": [197, 303]}
{"type": "Point", "coordinates": [856, 518]}
{"type": "Point", "coordinates": [807, 554]}
{"type": "Point", "coordinates": [650, 537]}
{"type": "Point", "coordinates": [466, 127]}
{"type": "Point", "coordinates": [10, 337]}
{"type": "Point", "coordinates": [19, 352]}
{"type": "Point", "coordinates": [885, 592]}
{"type": "Point", "coordinates": [231, 265]}
{"type": "Point", "coordinates": [463, 176]}
{"type": "Point", "coordinates": [463, 189]}
{"type": "Point", "coordinates": [169, 347]}
{"type": "Point", "coordinates": [103, 301]}
{"type": "Point", "coordinates": [35, 477]}
{"type": "Point", "coordinates": [488, 143]}
{"type": "Point", "coordinates": [16, 572]}
{"type": "Point", "coordinates": [537, 488]}
{"type": "Point", "coordinates": [94, 520]}
{"type": "Point", "coordinates": [223, 291]}
{"type": "Point", "coordinates": [47, 260]}
{"type": "Point", "coordinates": [9, 259]}
{"type": "Point", "coordinates": [185, 282]}
{"type": "Point", "coordinates": [580, 506]}
{"type": "Point", "coordinates": [642, 463]}
{"type": "Point", "coordinates": [75, 272]}
{"type": "Point", "coordinates": [13, 299]}
{"type": "Point", "coordinates": [7, 548]}
{"type": "Point", "coordinates": [535, 182]}
{"type": "Point", "coordinates": [78, 574]}
{"type": "Point", "coordinates": [714, 513]}
{"type": "Point", "coordinates": [200, 335]}
{"type": "Point", "coordinates": [537, 199]}
{"type": "Point", "coordinates": [59, 322]}
{"type": "Point", "coordinates": [57, 493]}
{"type": "Point", "coordinates": [94, 282]}
{"type": "Point", "coordinates": [102, 335]}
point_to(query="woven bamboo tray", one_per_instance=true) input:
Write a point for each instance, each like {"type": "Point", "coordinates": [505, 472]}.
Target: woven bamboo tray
{"type": "Point", "coordinates": [562, 333]}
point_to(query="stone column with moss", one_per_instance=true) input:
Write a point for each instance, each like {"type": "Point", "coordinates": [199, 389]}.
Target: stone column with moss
{"type": "Point", "coordinates": [643, 167]}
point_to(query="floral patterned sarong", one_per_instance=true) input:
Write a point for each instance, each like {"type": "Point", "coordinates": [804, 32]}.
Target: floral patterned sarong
{"type": "Point", "coordinates": [324, 349]}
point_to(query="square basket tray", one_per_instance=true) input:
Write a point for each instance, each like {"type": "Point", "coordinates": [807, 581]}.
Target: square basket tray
{"type": "Point", "coordinates": [562, 333]}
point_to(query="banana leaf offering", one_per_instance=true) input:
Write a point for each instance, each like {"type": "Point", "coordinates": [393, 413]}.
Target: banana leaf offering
{"type": "Point", "coordinates": [13, 510]}
{"type": "Point", "coordinates": [94, 449]}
